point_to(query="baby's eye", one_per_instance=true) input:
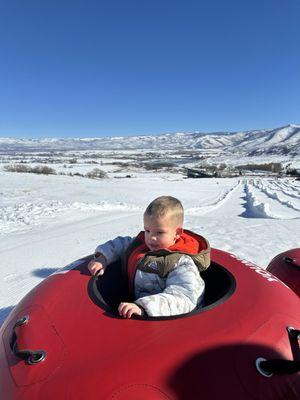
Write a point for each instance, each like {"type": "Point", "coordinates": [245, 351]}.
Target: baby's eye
{"type": "Point", "coordinates": [147, 230]}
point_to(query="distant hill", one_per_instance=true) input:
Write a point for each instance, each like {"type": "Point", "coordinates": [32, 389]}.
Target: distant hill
{"type": "Point", "coordinates": [282, 141]}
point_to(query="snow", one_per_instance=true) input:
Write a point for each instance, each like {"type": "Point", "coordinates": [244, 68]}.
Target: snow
{"type": "Point", "coordinates": [48, 222]}
{"type": "Point", "coordinates": [282, 140]}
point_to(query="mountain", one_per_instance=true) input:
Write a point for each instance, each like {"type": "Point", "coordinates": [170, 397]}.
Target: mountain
{"type": "Point", "coordinates": [282, 141]}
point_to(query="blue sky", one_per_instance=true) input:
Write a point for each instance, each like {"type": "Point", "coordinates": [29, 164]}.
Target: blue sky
{"type": "Point", "coordinates": [106, 68]}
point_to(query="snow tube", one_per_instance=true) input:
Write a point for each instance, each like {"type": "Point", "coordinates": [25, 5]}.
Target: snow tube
{"type": "Point", "coordinates": [286, 266]}
{"type": "Point", "coordinates": [64, 340]}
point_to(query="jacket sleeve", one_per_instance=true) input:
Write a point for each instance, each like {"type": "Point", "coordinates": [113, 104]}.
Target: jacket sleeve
{"type": "Point", "coordinates": [113, 249]}
{"type": "Point", "coordinates": [183, 292]}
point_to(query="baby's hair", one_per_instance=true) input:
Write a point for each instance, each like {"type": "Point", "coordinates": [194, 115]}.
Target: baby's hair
{"type": "Point", "coordinates": [166, 205]}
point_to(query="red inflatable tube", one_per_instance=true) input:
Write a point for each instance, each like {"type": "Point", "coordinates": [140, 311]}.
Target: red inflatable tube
{"type": "Point", "coordinates": [286, 266]}
{"type": "Point", "coordinates": [64, 340]}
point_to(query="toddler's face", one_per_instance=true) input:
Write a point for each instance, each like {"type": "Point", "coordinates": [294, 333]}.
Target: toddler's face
{"type": "Point", "coordinates": [160, 233]}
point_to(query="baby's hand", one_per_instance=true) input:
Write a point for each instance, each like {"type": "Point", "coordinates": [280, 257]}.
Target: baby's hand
{"type": "Point", "coordinates": [96, 267]}
{"type": "Point", "coordinates": [126, 310]}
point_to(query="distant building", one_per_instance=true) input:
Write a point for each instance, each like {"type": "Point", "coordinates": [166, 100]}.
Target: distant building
{"type": "Point", "coordinates": [199, 173]}
{"type": "Point", "coordinates": [293, 172]}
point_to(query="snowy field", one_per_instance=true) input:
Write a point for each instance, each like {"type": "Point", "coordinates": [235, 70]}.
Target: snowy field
{"type": "Point", "coordinates": [47, 222]}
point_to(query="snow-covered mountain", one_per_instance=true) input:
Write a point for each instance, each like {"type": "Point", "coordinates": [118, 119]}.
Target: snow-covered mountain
{"type": "Point", "coordinates": [281, 141]}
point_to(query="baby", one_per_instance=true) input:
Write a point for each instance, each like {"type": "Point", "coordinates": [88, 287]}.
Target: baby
{"type": "Point", "coordinates": [163, 262]}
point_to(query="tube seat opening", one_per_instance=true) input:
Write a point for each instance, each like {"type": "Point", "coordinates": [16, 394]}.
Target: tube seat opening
{"type": "Point", "coordinates": [110, 289]}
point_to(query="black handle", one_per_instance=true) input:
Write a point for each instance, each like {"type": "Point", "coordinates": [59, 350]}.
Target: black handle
{"type": "Point", "coordinates": [291, 261]}
{"type": "Point", "coordinates": [30, 356]}
{"type": "Point", "coordinates": [281, 367]}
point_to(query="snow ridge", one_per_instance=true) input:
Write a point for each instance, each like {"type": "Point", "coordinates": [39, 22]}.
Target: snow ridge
{"type": "Point", "coordinates": [283, 140]}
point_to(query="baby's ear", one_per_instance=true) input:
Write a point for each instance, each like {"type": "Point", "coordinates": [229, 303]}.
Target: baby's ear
{"type": "Point", "coordinates": [179, 231]}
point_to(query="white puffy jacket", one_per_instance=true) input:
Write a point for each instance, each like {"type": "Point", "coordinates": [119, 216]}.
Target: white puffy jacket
{"type": "Point", "coordinates": [179, 292]}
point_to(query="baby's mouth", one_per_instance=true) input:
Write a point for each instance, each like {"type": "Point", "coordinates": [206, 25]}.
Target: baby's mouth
{"type": "Point", "coordinates": [153, 247]}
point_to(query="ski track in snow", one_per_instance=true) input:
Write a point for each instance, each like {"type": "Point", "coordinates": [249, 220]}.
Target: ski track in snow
{"type": "Point", "coordinates": [201, 210]}
{"type": "Point", "coordinates": [24, 216]}
{"type": "Point", "coordinates": [279, 195]}
{"type": "Point", "coordinates": [260, 198]}
{"type": "Point", "coordinates": [287, 190]}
